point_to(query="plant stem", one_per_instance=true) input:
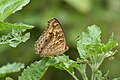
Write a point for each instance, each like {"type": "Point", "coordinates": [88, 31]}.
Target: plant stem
{"type": "Point", "coordinates": [71, 74]}
{"type": "Point", "coordinates": [93, 75]}
{"type": "Point", "coordinates": [84, 76]}
{"type": "Point", "coordinates": [95, 66]}
{"type": "Point", "coordinates": [101, 60]}
{"type": "Point", "coordinates": [74, 77]}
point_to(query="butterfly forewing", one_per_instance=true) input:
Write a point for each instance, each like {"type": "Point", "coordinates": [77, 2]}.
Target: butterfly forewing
{"type": "Point", "coordinates": [52, 41]}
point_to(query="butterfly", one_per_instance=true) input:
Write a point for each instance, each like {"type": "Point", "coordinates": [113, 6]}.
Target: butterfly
{"type": "Point", "coordinates": [52, 40]}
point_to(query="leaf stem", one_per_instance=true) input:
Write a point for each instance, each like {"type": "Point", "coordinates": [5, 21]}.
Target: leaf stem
{"type": "Point", "coordinates": [72, 74]}
{"type": "Point", "coordinates": [94, 67]}
{"type": "Point", "coordinates": [93, 75]}
{"type": "Point", "coordinates": [84, 76]}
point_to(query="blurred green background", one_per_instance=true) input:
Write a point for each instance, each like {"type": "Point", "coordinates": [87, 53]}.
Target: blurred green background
{"type": "Point", "coordinates": [75, 16]}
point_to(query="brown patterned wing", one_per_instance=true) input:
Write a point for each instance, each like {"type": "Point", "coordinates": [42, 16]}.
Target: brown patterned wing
{"type": "Point", "coordinates": [41, 42]}
{"type": "Point", "coordinates": [52, 41]}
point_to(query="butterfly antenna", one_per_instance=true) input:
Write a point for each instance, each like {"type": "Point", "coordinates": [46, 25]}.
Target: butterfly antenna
{"type": "Point", "coordinates": [73, 42]}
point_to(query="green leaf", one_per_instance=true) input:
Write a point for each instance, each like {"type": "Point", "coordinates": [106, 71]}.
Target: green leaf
{"type": "Point", "coordinates": [10, 68]}
{"type": "Point", "coordinates": [91, 36]}
{"type": "Point", "coordinates": [90, 48]}
{"type": "Point", "coordinates": [8, 78]}
{"type": "Point", "coordinates": [14, 38]}
{"type": "Point", "coordinates": [89, 44]}
{"type": "Point", "coordinates": [35, 71]}
{"type": "Point", "coordinates": [7, 7]}
{"type": "Point", "coordinates": [111, 44]}
{"type": "Point", "coordinates": [64, 63]}
{"type": "Point", "coordinates": [99, 76]}
{"type": "Point", "coordinates": [4, 26]}
{"type": "Point", "coordinates": [94, 49]}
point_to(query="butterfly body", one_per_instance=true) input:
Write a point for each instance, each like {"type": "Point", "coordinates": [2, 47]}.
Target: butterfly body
{"type": "Point", "coordinates": [52, 41]}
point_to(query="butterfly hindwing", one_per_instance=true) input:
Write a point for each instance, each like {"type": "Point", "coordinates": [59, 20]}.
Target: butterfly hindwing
{"type": "Point", "coordinates": [52, 41]}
